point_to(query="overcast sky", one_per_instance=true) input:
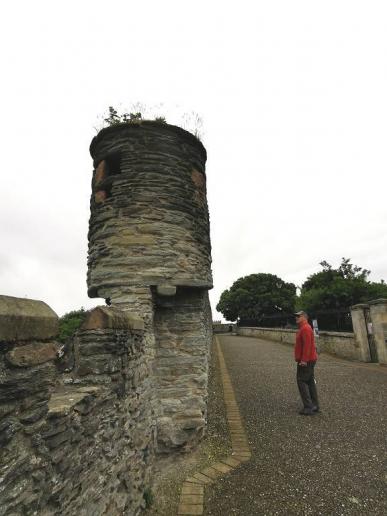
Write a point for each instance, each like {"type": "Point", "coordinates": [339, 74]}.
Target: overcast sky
{"type": "Point", "coordinates": [293, 97]}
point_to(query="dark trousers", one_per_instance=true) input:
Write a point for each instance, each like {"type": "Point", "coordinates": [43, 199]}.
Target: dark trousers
{"type": "Point", "coordinates": [307, 385]}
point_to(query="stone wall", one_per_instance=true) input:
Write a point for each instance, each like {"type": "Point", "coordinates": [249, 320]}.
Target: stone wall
{"type": "Point", "coordinates": [224, 327]}
{"type": "Point", "coordinates": [76, 429]}
{"type": "Point", "coordinates": [340, 344]}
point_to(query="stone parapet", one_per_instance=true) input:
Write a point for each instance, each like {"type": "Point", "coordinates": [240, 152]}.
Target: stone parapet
{"type": "Point", "coordinates": [80, 442]}
{"type": "Point", "coordinates": [26, 319]}
{"type": "Point", "coordinates": [224, 327]}
{"type": "Point", "coordinates": [103, 317]}
{"type": "Point", "coordinates": [339, 344]}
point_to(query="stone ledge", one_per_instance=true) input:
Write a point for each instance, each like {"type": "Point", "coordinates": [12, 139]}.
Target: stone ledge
{"type": "Point", "coordinates": [26, 319]}
{"type": "Point", "coordinates": [103, 317]}
{"type": "Point", "coordinates": [359, 306]}
{"type": "Point", "coordinates": [345, 335]}
{"type": "Point", "coordinates": [63, 401]}
{"type": "Point", "coordinates": [284, 330]}
{"type": "Point", "coordinates": [348, 335]}
{"type": "Point", "coordinates": [380, 301]}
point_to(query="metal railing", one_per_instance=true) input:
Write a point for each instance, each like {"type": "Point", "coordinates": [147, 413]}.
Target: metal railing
{"type": "Point", "coordinates": [327, 320]}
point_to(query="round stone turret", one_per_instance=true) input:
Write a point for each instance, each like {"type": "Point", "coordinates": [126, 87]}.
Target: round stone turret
{"type": "Point", "coordinates": [149, 221]}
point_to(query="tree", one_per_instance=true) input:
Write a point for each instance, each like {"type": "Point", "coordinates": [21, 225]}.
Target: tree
{"type": "Point", "coordinates": [69, 323]}
{"type": "Point", "coordinates": [338, 289]}
{"type": "Point", "coordinates": [257, 296]}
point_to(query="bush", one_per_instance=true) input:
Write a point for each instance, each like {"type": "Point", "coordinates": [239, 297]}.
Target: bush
{"type": "Point", "coordinates": [69, 323]}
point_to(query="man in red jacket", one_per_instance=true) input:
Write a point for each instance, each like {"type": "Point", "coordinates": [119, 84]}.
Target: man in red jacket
{"type": "Point", "coordinates": [306, 356]}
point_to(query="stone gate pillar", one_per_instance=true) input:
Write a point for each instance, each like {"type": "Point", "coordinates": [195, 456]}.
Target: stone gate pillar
{"type": "Point", "coordinates": [378, 312]}
{"type": "Point", "coordinates": [150, 253]}
{"type": "Point", "coordinates": [360, 330]}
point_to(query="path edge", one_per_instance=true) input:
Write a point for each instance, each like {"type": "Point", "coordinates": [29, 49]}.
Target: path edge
{"type": "Point", "coordinates": [192, 493]}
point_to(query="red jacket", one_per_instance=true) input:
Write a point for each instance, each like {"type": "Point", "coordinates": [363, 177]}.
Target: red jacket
{"type": "Point", "coordinates": [305, 348]}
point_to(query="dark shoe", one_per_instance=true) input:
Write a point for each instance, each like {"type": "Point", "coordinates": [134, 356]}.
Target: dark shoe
{"type": "Point", "coordinates": [315, 409]}
{"type": "Point", "coordinates": [307, 412]}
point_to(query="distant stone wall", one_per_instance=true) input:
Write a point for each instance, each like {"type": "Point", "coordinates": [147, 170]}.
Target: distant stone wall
{"type": "Point", "coordinates": [224, 327]}
{"type": "Point", "coordinates": [80, 441]}
{"type": "Point", "coordinates": [340, 344]}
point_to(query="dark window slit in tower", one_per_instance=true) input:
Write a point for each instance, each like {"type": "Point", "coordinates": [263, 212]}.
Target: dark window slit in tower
{"type": "Point", "coordinates": [113, 168]}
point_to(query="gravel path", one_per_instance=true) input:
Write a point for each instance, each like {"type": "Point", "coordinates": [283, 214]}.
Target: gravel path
{"type": "Point", "coordinates": [333, 463]}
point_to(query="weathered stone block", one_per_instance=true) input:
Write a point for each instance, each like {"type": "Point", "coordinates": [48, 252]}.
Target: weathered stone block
{"type": "Point", "coordinates": [26, 319]}
{"type": "Point", "coordinates": [33, 354]}
{"type": "Point", "coordinates": [108, 317]}
{"type": "Point", "coordinates": [166, 290]}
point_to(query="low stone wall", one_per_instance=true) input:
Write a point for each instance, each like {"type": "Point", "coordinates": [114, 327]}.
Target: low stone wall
{"type": "Point", "coordinates": [76, 428]}
{"type": "Point", "coordinates": [343, 345]}
{"type": "Point", "coordinates": [224, 328]}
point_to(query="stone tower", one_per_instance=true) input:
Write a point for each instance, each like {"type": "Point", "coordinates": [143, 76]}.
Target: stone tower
{"type": "Point", "coordinates": [150, 253]}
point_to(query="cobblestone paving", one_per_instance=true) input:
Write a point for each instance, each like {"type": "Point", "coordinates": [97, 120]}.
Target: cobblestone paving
{"type": "Point", "coordinates": [333, 463]}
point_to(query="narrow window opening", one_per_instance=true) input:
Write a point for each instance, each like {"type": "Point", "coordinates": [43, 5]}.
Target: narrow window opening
{"type": "Point", "coordinates": [112, 168]}
{"type": "Point", "coordinates": [113, 164]}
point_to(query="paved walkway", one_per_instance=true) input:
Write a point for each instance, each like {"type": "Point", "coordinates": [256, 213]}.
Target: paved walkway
{"type": "Point", "coordinates": [333, 463]}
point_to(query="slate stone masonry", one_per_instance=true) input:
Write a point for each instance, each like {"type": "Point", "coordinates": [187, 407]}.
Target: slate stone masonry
{"type": "Point", "coordinates": [79, 441]}
{"type": "Point", "coordinates": [150, 254]}
{"type": "Point", "coordinates": [80, 424]}
{"type": "Point", "coordinates": [181, 368]}
{"type": "Point", "coordinates": [149, 221]}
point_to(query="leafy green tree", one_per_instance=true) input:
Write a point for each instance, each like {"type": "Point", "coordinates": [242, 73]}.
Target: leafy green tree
{"type": "Point", "coordinates": [70, 322]}
{"type": "Point", "coordinates": [255, 296]}
{"type": "Point", "coordinates": [377, 290]}
{"type": "Point", "coordinates": [338, 289]}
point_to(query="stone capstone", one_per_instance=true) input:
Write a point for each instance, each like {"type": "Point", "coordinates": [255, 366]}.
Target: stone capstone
{"type": "Point", "coordinates": [26, 319]}
{"type": "Point", "coordinates": [109, 317]}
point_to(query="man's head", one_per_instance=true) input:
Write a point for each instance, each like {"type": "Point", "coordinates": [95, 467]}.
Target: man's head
{"type": "Point", "coordinates": [301, 316]}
